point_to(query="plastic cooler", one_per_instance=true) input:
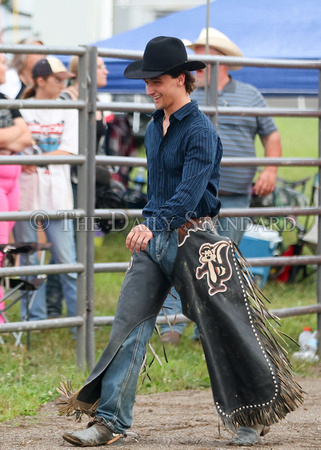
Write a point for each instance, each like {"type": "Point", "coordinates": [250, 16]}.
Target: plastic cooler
{"type": "Point", "coordinates": [256, 242]}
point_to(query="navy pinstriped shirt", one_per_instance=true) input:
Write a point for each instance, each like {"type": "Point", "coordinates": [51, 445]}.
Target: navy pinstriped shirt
{"type": "Point", "coordinates": [183, 169]}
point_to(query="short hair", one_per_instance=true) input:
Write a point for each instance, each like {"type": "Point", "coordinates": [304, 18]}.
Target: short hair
{"type": "Point", "coordinates": [19, 60]}
{"type": "Point", "coordinates": [190, 80]}
{"type": "Point", "coordinates": [73, 65]}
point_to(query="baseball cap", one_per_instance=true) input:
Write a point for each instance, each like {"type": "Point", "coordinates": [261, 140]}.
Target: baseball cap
{"type": "Point", "coordinates": [51, 66]}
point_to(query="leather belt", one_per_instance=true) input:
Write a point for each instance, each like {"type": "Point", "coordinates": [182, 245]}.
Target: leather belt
{"type": "Point", "coordinates": [198, 220]}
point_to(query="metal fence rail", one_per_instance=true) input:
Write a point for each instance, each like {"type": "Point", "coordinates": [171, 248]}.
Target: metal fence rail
{"type": "Point", "coordinates": [87, 105]}
{"type": "Point", "coordinates": [86, 153]}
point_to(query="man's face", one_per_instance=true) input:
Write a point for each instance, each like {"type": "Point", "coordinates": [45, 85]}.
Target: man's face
{"type": "Point", "coordinates": [165, 91]}
{"type": "Point", "coordinates": [33, 58]}
{"type": "Point", "coordinates": [200, 74]}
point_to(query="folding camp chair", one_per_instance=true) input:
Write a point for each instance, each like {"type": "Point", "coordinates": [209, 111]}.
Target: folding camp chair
{"type": "Point", "coordinates": [307, 240]}
{"type": "Point", "coordinates": [286, 193]}
{"type": "Point", "coordinates": [21, 288]}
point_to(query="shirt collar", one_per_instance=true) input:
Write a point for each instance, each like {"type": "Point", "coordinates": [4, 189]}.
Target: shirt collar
{"type": "Point", "coordinates": [229, 87]}
{"type": "Point", "coordinates": [180, 113]}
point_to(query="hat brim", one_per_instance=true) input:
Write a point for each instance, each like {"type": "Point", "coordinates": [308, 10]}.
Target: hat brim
{"type": "Point", "coordinates": [66, 75]}
{"type": "Point", "coordinates": [135, 70]}
{"type": "Point", "coordinates": [228, 48]}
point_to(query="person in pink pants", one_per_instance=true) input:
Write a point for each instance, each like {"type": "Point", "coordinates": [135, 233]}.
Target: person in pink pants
{"type": "Point", "coordinates": [14, 137]}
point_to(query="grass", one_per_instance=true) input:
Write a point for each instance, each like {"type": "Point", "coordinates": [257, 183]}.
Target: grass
{"type": "Point", "coordinates": [29, 378]}
{"type": "Point", "coordinates": [299, 140]}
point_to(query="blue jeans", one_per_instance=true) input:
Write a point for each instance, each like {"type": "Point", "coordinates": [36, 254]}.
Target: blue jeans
{"type": "Point", "coordinates": [54, 291]}
{"type": "Point", "coordinates": [231, 227]}
{"type": "Point", "coordinates": [63, 250]}
{"type": "Point", "coordinates": [119, 382]}
{"type": "Point", "coordinates": [172, 306]}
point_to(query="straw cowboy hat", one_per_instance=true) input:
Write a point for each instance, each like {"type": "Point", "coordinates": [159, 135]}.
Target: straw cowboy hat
{"type": "Point", "coordinates": [162, 55]}
{"type": "Point", "coordinates": [218, 41]}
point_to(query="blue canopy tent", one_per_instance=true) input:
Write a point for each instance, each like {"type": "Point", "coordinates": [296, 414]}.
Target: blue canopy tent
{"type": "Point", "coordinates": [263, 29]}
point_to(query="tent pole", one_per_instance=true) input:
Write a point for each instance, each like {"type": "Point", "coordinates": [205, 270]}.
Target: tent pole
{"type": "Point", "coordinates": [212, 98]}
{"type": "Point", "coordinates": [207, 49]}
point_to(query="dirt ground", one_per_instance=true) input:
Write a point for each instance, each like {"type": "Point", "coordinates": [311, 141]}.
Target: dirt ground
{"type": "Point", "coordinates": [175, 420]}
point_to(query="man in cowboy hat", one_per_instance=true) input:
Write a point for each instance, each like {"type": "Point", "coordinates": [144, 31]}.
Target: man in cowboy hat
{"type": "Point", "coordinates": [176, 245]}
{"type": "Point", "coordinates": [237, 135]}
{"type": "Point", "coordinates": [183, 154]}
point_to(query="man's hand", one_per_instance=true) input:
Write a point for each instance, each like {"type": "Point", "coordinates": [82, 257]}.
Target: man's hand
{"type": "Point", "coordinates": [29, 169]}
{"type": "Point", "coordinates": [265, 184]}
{"type": "Point", "coordinates": [272, 149]}
{"type": "Point", "coordinates": [139, 236]}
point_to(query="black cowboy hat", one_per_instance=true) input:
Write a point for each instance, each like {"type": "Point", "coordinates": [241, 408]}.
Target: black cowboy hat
{"type": "Point", "coordinates": [162, 55]}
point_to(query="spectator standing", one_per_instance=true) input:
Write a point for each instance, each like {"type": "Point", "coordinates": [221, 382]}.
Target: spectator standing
{"type": "Point", "coordinates": [19, 76]}
{"type": "Point", "coordinates": [55, 132]}
{"type": "Point", "coordinates": [14, 137]}
{"type": "Point", "coordinates": [120, 141]}
{"type": "Point", "coordinates": [72, 93]}
{"type": "Point", "coordinates": [54, 292]}
{"type": "Point", "coordinates": [237, 135]}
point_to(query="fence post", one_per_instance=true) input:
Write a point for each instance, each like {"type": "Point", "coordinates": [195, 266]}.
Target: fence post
{"type": "Point", "coordinates": [319, 225]}
{"type": "Point", "coordinates": [214, 92]}
{"type": "Point", "coordinates": [81, 234]}
{"type": "Point", "coordinates": [91, 186]}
